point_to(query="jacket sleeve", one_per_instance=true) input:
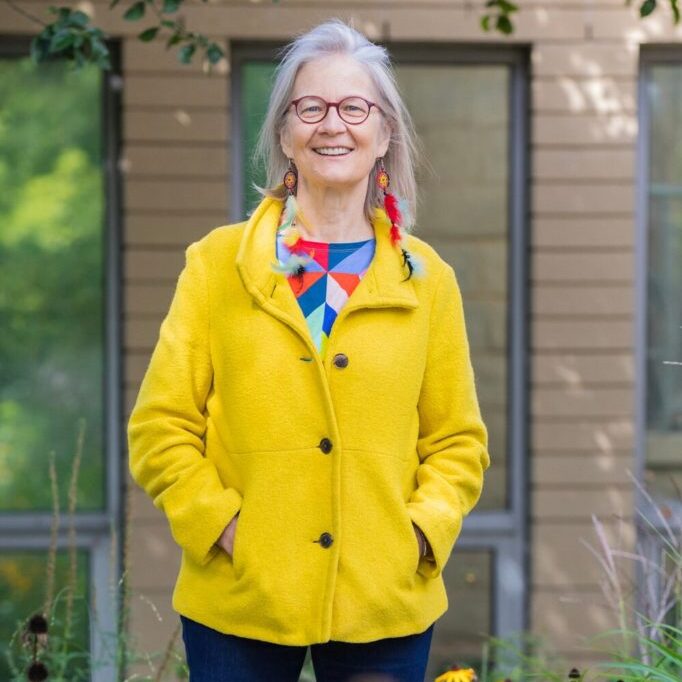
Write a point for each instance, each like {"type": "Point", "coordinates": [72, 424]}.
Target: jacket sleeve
{"type": "Point", "coordinates": [453, 440]}
{"type": "Point", "coordinates": [167, 424]}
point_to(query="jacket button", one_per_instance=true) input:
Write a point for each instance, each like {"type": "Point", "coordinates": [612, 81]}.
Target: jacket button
{"type": "Point", "coordinates": [326, 540]}
{"type": "Point", "coordinates": [341, 360]}
{"type": "Point", "coordinates": [325, 445]}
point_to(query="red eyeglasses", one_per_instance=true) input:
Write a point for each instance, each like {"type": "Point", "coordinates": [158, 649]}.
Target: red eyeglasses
{"type": "Point", "coordinates": [353, 110]}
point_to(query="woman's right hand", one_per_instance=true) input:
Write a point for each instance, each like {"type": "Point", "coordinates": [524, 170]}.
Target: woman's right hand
{"type": "Point", "coordinates": [226, 539]}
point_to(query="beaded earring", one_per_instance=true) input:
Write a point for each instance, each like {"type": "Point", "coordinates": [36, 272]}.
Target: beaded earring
{"type": "Point", "coordinates": [288, 227]}
{"type": "Point", "coordinates": [394, 210]}
{"type": "Point", "coordinates": [295, 264]}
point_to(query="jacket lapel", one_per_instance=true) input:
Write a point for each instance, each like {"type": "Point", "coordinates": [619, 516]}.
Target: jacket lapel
{"type": "Point", "coordinates": [381, 287]}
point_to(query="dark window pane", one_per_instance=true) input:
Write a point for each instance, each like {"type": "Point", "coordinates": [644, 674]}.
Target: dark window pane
{"type": "Point", "coordinates": [664, 286]}
{"type": "Point", "coordinates": [51, 282]}
{"type": "Point", "coordinates": [23, 581]}
{"type": "Point", "coordinates": [460, 633]}
{"type": "Point", "coordinates": [256, 86]}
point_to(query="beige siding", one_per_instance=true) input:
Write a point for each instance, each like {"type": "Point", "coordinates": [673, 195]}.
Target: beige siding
{"type": "Point", "coordinates": [175, 161]}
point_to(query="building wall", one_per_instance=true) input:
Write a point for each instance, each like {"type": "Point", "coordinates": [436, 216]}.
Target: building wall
{"type": "Point", "coordinates": [584, 74]}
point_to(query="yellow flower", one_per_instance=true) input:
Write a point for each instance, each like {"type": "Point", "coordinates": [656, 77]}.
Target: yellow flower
{"type": "Point", "coordinates": [458, 675]}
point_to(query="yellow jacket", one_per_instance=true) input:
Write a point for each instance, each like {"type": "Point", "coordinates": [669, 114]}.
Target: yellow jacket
{"type": "Point", "coordinates": [328, 462]}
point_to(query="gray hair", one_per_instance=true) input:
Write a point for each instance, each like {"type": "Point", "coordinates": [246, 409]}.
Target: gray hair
{"type": "Point", "coordinates": [337, 37]}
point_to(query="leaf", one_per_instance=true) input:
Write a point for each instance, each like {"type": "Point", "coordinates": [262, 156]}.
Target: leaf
{"type": "Point", "coordinates": [485, 22]}
{"type": "Point", "coordinates": [185, 54]}
{"type": "Point", "coordinates": [40, 48]}
{"type": "Point", "coordinates": [675, 6]}
{"type": "Point", "coordinates": [99, 49]}
{"type": "Point", "coordinates": [79, 18]}
{"type": "Point", "coordinates": [174, 40]}
{"type": "Point", "coordinates": [214, 53]}
{"type": "Point", "coordinates": [648, 6]}
{"type": "Point", "coordinates": [149, 34]}
{"type": "Point", "coordinates": [135, 12]}
{"type": "Point", "coordinates": [170, 6]}
{"type": "Point", "coordinates": [504, 24]}
{"type": "Point", "coordinates": [61, 40]}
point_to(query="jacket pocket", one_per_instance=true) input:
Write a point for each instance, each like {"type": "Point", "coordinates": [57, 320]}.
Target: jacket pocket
{"type": "Point", "coordinates": [236, 544]}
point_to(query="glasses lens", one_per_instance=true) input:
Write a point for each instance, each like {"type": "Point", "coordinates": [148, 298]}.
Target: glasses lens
{"type": "Point", "coordinates": [353, 109]}
{"type": "Point", "coordinates": [311, 109]}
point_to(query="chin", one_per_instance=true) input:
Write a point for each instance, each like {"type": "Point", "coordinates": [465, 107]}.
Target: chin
{"type": "Point", "coordinates": [340, 179]}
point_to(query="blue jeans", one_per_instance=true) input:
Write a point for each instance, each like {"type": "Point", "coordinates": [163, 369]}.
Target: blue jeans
{"type": "Point", "coordinates": [213, 656]}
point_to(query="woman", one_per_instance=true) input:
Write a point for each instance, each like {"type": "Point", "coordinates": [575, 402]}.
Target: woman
{"type": "Point", "coordinates": [308, 421]}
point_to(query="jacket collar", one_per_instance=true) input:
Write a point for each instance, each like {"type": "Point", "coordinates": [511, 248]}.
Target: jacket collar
{"type": "Point", "coordinates": [382, 285]}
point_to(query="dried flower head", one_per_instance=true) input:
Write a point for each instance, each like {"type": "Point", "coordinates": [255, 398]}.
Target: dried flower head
{"type": "Point", "coordinates": [37, 672]}
{"type": "Point", "coordinates": [37, 624]}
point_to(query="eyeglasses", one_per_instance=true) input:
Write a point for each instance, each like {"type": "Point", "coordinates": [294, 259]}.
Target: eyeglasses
{"type": "Point", "coordinates": [353, 110]}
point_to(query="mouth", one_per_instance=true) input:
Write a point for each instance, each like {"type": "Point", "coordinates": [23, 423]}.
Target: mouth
{"type": "Point", "coordinates": [332, 151]}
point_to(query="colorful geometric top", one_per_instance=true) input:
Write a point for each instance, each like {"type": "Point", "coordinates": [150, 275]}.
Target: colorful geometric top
{"type": "Point", "coordinates": [328, 281]}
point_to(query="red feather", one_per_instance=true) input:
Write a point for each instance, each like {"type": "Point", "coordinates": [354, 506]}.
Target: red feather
{"type": "Point", "coordinates": [395, 235]}
{"type": "Point", "coordinates": [392, 210]}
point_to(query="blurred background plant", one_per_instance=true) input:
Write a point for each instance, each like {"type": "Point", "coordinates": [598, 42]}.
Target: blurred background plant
{"type": "Point", "coordinates": [48, 641]}
{"type": "Point", "coordinates": [643, 590]}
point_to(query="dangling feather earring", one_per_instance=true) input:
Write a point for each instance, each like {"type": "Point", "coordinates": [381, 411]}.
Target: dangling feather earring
{"type": "Point", "coordinates": [288, 226]}
{"type": "Point", "coordinates": [295, 264]}
{"type": "Point", "coordinates": [395, 208]}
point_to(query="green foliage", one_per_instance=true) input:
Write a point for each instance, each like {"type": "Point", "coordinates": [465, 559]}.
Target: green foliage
{"type": "Point", "coordinates": [51, 279]}
{"type": "Point", "coordinates": [70, 36]}
{"type": "Point", "coordinates": [63, 649]}
{"type": "Point", "coordinates": [650, 650]}
{"type": "Point", "coordinates": [500, 15]}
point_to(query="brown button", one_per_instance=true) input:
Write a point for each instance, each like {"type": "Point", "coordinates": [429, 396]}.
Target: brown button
{"type": "Point", "coordinates": [341, 360]}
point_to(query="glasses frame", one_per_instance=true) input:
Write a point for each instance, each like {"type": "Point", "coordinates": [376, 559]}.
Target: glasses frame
{"type": "Point", "coordinates": [328, 105]}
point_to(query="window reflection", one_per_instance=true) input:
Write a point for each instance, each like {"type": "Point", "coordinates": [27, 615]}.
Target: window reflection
{"type": "Point", "coordinates": [51, 282]}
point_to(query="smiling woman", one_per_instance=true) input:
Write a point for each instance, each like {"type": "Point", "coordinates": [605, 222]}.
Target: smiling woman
{"type": "Point", "coordinates": [334, 157]}
{"type": "Point", "coordinates": [308, 421]}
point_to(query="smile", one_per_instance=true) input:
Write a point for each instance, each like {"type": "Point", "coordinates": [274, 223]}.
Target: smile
{"type": "Point", "coordinates": [333, 151]}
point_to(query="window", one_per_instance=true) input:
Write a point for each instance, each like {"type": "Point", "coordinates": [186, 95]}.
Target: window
{"type": "Point", "coordinates": [659, 323]}
{"type": "Point", "coordinates": [663, 436]}
{"type": "Point", "coordinates": [469, 108]}
{"type": "Point", "coordinates": [58, 347]}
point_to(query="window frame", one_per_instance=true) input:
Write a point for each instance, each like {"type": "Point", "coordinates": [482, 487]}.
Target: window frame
{"type": "Point", "coordinates": [98, 532]}
{"type": "Point", "coordinates": [503, 532]}
{"type": "Point", "coordinates": [651, 544]}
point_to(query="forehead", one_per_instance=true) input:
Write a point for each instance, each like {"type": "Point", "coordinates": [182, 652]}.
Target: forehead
{"type": "Point", "coordinates": [333, 77]}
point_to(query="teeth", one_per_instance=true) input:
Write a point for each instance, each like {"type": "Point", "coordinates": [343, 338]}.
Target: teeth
{"type": "Point", "coordinates": [332, 151]}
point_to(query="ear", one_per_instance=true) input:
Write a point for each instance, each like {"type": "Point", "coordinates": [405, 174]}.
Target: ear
{"type": "Point", "coordinates": [285, 142]}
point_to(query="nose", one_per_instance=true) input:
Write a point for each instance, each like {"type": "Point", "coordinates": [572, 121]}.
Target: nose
{"type": "Point", "coordinates": [332, 122]}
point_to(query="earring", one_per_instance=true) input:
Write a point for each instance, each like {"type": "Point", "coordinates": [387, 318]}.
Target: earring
{"type": "Point", "coordinates": [295, 263]}
{"type": "Point", "coordinates": [382, 177]}
{"type": "Point", "coordinates": [393, 211]}
{"type": "Point", "coordinates": [390, 203]}
{"type": "Point", "coordinates": [291, 177]}
{"type": "Point", "coordinates": [288, 227]}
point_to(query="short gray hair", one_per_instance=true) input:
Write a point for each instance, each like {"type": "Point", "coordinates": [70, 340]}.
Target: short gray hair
{"type": "Point", "coordinates": [336, 37]}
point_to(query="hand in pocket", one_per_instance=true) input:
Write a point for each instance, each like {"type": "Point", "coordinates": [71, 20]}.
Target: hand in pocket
{"type": "Point", "coordinates": [226, 539]}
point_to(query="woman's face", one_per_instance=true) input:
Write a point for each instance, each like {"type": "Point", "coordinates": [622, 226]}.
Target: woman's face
{"type": "Point", "coordinates": [334, 77]}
